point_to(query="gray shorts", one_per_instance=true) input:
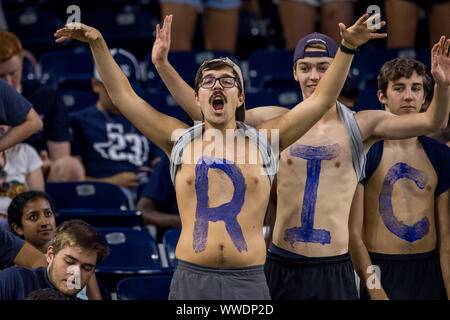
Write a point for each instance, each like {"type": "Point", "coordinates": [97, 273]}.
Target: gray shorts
{"type": "Point", "coordinates": [318, 3]}
{"type": "Point", "coordinates": [194, 282]}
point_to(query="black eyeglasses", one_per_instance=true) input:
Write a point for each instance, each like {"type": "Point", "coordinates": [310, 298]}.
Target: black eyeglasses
{"type": "Point", "coordinates": [209, 82]}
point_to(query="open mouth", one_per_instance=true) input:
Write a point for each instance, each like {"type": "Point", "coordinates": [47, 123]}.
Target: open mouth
{"type": "Point", "coordinates": [218, 101]}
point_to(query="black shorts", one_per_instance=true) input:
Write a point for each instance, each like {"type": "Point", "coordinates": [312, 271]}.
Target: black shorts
{"type": "Point", "coordinates": [427, 3]}
{"type": "Point", "coordinates": [409, 276]}
{"type": "Point", "coordinates": [304, 278]}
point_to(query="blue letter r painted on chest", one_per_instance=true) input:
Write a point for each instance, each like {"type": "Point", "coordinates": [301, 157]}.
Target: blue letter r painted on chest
{"type": "Point", "coordinates": [226, 212]}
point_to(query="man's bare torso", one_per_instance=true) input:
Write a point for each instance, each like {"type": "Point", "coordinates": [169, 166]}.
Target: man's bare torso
{"type": "Point", "coordinates": [222, 208]}
{"type": "Point", "coordinates": [316, 183]}
{"type": "Point", "coordinates": [399, 200]}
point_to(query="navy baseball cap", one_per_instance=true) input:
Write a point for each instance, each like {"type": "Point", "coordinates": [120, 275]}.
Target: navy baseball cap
{"type": "Point", "coordinates": [314, 38]}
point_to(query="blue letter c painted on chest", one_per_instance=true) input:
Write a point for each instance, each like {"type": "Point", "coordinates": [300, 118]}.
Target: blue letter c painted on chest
{"type": "Point", "coordinates": [409, 233]}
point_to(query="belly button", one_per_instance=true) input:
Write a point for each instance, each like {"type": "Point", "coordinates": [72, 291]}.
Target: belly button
{"type": "Point", "coordinates": [337, 164]}
{"type": "Point", "coordinates": [189, 181]}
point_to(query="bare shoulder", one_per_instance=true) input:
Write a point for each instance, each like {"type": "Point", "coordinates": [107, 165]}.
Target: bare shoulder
{"type": "Point", "coordinates": [368, 119]}
{"type": "Point", "coordinates": [258, 115]}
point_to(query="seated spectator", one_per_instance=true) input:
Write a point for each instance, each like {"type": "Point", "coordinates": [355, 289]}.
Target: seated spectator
{"type": "Point", "coordinates": [31, 217]}
{"type": "Point", "coordinates": [17, 112]}
{"type": "Point", "coordinates": [76, 250]}
{"type": "Point", "coordinates": [110, 147]}
{"type": "Point", "coordinates": [220, 23]}
{"type": "Point", "coordinates": [47, 294]}
{"type": "Point", "coordinates": [14, 250]}
{"type": "Point", "coordinates": [158, 202]}
{"type": "Point", "coordinates": [298, 18]}
{"type": "Point", "coordinates": [21, 170]}
{"type": "Point", "coordinates": [402, 17]}
{"type": "Point", "coordinates": [52, 143]}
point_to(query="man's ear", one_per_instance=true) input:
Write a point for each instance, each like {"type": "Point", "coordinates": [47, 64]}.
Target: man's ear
{"type": "Point", "coordinates": [241, 99]}
{"type": "Point", "coordinates": [382, 97]}
{"type": "Point", "coordinates": [196, 98]}
{"type": "Point", "coordinates": [50, 255]}
{"type": "Point", "coordinates": [17, 229]}
{"type": "Point", "coordinates": [294, 71]}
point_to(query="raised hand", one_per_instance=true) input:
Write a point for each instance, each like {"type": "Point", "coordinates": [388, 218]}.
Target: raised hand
{"type": "Point", "coordinates": [359, 33]}
{"type": "Point", "coordinates": [77, 31]}
{"type": "Point", "coordinates": [440, 61]}
{"type": "Point", "coordinates": [161, 45]}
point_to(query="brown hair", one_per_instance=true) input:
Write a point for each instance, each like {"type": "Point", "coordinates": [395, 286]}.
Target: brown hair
{"type": "Point", "coordinates": [9, 45]}
{"type": "Point", "coordinates": [215, 64]}
{"type": "Point", "coordinates": [79, 233]}
{"type": "Point", "coordinates": [403, 67]}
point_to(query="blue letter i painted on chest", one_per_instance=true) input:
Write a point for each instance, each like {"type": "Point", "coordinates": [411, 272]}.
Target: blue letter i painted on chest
{"type": "Point", "coordinates": [226, 212]}
{"type": "Point", "coordinates": [314, 156]}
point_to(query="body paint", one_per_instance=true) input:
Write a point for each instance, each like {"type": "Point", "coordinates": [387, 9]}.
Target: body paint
{"type": "Point", "coordinates": [409, 233]}
{"type": "Point", "coordinates": [226, 212]}
{"type": "Point", "coordinates": [314, 156]}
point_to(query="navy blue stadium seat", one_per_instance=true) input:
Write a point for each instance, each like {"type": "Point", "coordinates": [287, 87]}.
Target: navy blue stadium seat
{"type": "Point", "coordinates": [282, 98]}
{"type": "Point", "coordinates": [132, 253]}
{"type": "Point", "coordinates": [87, 195]}
{"type": "Point", "coordinates": [272, 69]}
{"type": "Point", "coordinates": [28, 70]}
{"type": "Point", "coordinates": [170, 241]}
{"type": "Point", "coordinates": [103, 217]}
{"type": "Point", "coordinates": [76, 100]}
{"type": "Point", "coordinates": [165, 103]}
{"type": "Point", "coordinates": [155, 287]}
{"type": "Point", "coordinates": [129, 28]}
{"type": "Point", "coordinates": [368, 62]}
{"type": "Point", "coordinates": [66, 65]}
{"type": "Point", "coordinates": [35, 28]}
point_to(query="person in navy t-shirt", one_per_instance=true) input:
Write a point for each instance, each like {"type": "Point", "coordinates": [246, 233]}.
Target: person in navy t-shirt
{"type": "Point", "coordinates": [72, 258]}
{"type": "Point", "coordinates": [109, 145]}
{"type": "Point", "coordinates": [52, 142]}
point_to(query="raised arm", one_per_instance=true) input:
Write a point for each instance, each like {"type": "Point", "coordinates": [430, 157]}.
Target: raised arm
{"type": "Point", "coordinates": [183, 93]}
{"type": "Point", "coordinates": [153, 124]}
{"type": "Point", "coordinates": [302, 117]}
{"type": "Point", "coordinates": [380, 125]}
{"type": "Point", "coordinates": [357, 249]}
{"type": "Point", "coordinates": [180, 90]}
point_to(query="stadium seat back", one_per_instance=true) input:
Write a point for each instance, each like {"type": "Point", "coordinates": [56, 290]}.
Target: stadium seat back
{"type": "Point", "coordinates": [271, 69]}
{"type": "Point", "coordinates": [87, 195]}
{"type": "Point", "coordinates": [155, 287]}
{"type": "Point", "coordinates": [102, 218]}
{"type": "Point", "coordinates": [170, 241]}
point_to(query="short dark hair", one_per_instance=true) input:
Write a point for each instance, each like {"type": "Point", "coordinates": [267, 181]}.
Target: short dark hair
{"type": "Point", "coordinates": [47, 294]}
{"type": "Point", "coordinates": [76, 232]}
{"type": "Point", "coordinates": [404, 67]}
{"type": "Point", "coordinates": [15, 208]}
